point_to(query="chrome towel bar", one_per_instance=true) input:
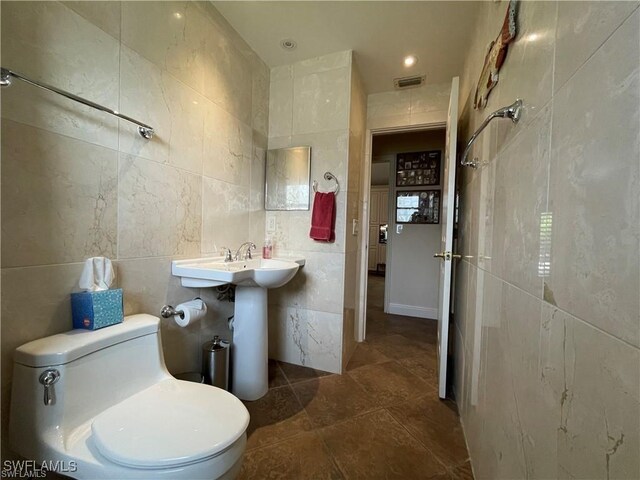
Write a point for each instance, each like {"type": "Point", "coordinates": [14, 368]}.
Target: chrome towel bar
{"type": "Point", "coordinates": [513, 112]}
{"type": "Point", "coordinates": [5, 80]}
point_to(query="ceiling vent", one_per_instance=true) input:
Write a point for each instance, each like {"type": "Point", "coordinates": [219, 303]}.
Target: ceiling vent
{"type": "Point", "coordinates": [409, 82]}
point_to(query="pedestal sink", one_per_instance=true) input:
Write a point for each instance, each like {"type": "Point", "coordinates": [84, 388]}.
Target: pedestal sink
{"type": "Point", "coordinates": [249, 371]}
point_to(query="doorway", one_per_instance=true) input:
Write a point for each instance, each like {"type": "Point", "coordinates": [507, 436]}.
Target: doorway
{"type": "Point", "coordinates": [406, 168]}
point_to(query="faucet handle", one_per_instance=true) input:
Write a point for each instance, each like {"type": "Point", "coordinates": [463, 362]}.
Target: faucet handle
{"type": "Point", "coordinates": [226, 253]}
{"type": "Point", "coordinates": [252, 246]}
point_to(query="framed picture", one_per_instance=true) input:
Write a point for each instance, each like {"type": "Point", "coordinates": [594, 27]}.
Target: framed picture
{"type": "Point", "coordinates": [418, 206]}
{"type": "Point", "coordinates": [418, 168]}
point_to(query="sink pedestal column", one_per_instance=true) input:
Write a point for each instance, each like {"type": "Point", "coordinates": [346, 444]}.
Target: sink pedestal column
{"type": "Point", "coordinates": [249, 351]}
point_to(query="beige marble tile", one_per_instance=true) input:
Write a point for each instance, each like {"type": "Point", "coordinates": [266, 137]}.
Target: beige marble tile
{"type": "Point", "coordinates": [593, 193]}
{"type": "Point", "coordinates": [305, 337]}
{"type": "Point", "coordinates": [321, 101]}
{"type": "Point", "coordinates": [319, 285]}
{"type": "Point", "coordinates": [143, 95]}
{"type": "Point", "coordinates": [175, 111]}
{"type": "Point", "coordinates": [355, 163]}
{"type": "Point", "coordinates": [426, 118]}
{"type": "Point", "coordinates": [52, 57]}
{"type": "Point", "coordinates": [430, 98]}
{"type": "Point", "coordinates": [473, 308]}
{"type": "Point", "coordinates": [172, 35]}
{"type": "Point", "coordinates": [280, 107]}
{"type": "Point", "coordinates": [228, 74]}
{"type": "Point", "coordinates": [104, 14]}
{"type": "Point", "coordinates": [352, 242]}
{"type": "Point", "coordinates": [324, 63]}
{"type": "Point", "coordinates": [389, 121]}
{"type": "Point", "coordinates": [532, 51]}
{"type": "Point", "coordinates": [520, 412]}
{"type": "Point", "coordinates": [519, 204]}
{"type": "Point", "coordinates": [59, 200]}
{"type": "Point", "coordinates": [298, 223]}
{"type": "Point", "coordinates": [329, 152]}
{"type": "Point", "coordinates": [582, 28]}
{"type": "Point", "coordinates": [24, 319]}
{"type": "Point", "coordinates": [227, 147]}
{"type": "Point", "coordinates": [225, 221]}
{"type": "Point", "coordinates": [187, 112]}
{"type": "Point", "coordinates": [159, 209]}
{"type": "Point", "coordinates": [595, 379]}
{"type": "Point", "coordinates": [358, 107]}
{"type": "Point", "coordinates": [389, 104]}
{"type": "Point", "coordinates": [256, 201]}
{"type": "Point", "coordinates": [148, 285]}
{"type": "Point", "coordinates": [260, 99]}
{"type": "Point", "coordinates": [349, 342]}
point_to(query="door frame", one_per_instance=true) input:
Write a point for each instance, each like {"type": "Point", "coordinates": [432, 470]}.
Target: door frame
{"type": "Point", "coordinates": [361, 319]}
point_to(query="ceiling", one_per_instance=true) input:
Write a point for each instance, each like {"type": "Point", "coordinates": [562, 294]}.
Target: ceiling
{"type": "Point", "coordinates": [381, 34]}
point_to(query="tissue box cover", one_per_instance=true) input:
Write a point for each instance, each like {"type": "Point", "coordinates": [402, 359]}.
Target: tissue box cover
{"type": "Point", "coordinates": [94, 310]}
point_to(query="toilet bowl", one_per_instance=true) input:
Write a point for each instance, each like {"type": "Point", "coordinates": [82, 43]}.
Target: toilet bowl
{"type": "Point", "coordinates": [113, 411]}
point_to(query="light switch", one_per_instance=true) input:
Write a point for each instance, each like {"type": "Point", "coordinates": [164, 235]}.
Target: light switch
{"type": "Point", "coordinates": [399, 229]}
{"type": "Point", "coordinates": [271, 224]}
{"type": "Point", "coordinates": [354, 227]}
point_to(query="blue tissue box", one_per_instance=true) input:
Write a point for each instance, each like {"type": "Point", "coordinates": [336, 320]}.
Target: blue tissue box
{"type": "Point", "coordinates": [94, 310]}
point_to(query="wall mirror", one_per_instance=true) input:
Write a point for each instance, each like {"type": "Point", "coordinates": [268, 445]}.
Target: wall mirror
{"type": "Point", "coordinates": [287, 174]}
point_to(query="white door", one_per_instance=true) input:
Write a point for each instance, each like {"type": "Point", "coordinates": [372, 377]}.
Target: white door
{"type": "Point", "coordinates": [445, 254]}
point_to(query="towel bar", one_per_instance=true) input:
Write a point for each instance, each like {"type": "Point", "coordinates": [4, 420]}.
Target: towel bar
{"type": "Point", "coordinates": [328, 176]}
{"type": "Point", "coordinates": [144, 130]}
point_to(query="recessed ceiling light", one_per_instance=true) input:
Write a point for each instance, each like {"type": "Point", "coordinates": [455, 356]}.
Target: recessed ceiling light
{"type": "Point", "coordinates": [288, 44]}
{"type": "Point", "coordinates": [410, 60]}
{"type": "Point", "coordinates": [178, 15]}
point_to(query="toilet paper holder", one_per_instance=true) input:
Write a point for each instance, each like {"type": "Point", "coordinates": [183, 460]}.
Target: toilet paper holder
{"type": "Point", "coordinates": [169, 312]}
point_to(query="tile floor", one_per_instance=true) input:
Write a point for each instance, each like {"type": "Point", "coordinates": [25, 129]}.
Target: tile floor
{"type": "Point", "coordinates": [382, 419]}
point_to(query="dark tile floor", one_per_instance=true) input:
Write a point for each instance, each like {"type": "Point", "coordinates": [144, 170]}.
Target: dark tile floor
{"type": "Point", "coordinates": [382, 419]}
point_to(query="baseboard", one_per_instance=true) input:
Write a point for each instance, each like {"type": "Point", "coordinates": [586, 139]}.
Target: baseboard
{"type": "Point", "coordinates": [413, 311]}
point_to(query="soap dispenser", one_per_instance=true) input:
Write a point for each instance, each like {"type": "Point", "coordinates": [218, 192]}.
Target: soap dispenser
{"type": "Point", "coordinates": [267, 249]}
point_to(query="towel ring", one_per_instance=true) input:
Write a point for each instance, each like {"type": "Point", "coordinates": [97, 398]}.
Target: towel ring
{"type": "Point", "coordinates": [328, 176]}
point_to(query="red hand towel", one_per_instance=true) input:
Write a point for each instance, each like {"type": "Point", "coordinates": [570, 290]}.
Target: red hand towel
{"type": "Point", "coordinates": [323, 217]}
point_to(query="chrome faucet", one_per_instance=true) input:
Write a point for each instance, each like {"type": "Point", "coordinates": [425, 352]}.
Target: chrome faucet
{"type": "Point", "coordinates": [247, 255]}
{"type": "Point", "coordinates": [226, 252]}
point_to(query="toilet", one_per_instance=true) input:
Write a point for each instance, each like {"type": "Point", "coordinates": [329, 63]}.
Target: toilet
{"type": "Point", "coordinates": [113, 411]}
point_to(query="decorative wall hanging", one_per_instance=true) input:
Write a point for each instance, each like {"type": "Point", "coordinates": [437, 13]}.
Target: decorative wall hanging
{"type": "Point", "coordinates": [496, 53]}
{"type": "Point", "coordinates": [418, 206]}
{"type": "Point", "coordinates": [418, 168]}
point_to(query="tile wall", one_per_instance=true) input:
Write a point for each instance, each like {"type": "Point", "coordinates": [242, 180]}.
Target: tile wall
{"type": "Point", "coordinates": [78, 183]}
{"type": "Point", "coordinates": [357, 124]}
{"type": "Point", "coordinates": [547, 326]}
{"type": "Point", "coordinates": [310, 105]}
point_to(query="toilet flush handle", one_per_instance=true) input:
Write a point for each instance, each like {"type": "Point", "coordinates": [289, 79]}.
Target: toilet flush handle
{"type": "Point", "coordinates": [48, 378]}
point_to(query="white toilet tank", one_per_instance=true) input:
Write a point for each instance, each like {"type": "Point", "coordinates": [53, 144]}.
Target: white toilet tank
{"type": "Point", "coordinates": [97, 369]}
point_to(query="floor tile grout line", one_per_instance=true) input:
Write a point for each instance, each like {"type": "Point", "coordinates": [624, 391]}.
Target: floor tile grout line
{"type": "Point", "coordinates": [331, 455]}
{"type": "Point", "coordinates": [446, 465]}
{"type": "Point", "coordinates": [418, 441]}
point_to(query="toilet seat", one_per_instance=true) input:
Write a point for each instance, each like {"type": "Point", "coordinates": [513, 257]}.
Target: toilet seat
{"type": "Point", "coordinates": [171, 424]}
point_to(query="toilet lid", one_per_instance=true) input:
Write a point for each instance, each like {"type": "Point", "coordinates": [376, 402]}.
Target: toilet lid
{"type": "Point", "coordinates": [169, 424]}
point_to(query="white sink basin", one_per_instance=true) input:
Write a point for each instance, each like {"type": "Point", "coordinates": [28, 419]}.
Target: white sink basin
{"type": "Point", "coordinates": [257, 272]}
{"type": "Point", "coordinates": [250, 378]}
